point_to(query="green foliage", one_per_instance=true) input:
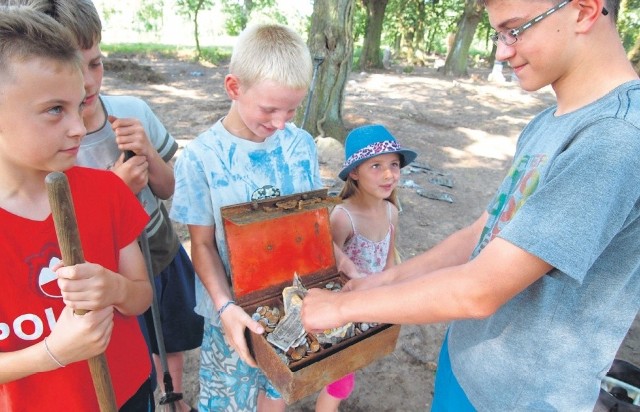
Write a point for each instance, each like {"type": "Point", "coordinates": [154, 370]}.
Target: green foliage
{"type": "Point", "coordinates": [411, 27]}
{"type": "Point", "coordinates": [437, 17]}
{"type": "Point", "coordinates": [357, 51]}
{"type": "Point", "coordinates": [149, 15]}
{"type": "Point", "coordinates": [629, 23]}
{"type": "Point", "coordinates": [215, 55]}
{"type": "Point", "coordinates": [359, 22]}
{"type": "Point", "coordinates": [190, 8]}
{"type": "Point", "coordinates": [484, 32]}
{"type": "Point", "coordinates": [108, 13]}
{"type": "Point", "coordinates": [241, 12]}
{"type": "Point", "coordinates": [279, 17]}
{"type": "Point", "coordinates": [440, 17]}
{"type": "Point", "coordinates": [237, 17]}
{"type": "Point", "coordinates": [408, 69]}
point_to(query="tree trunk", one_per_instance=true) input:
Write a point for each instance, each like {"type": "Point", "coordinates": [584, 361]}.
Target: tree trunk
{"type": "Point", "coordinates": [492, 57]}
{"type": "Point", "coordinates": [407, 46]}
{"type": "Point", "coordinates": [370, 56]}
{"type": "Point", "coordinates": [634, 55]}
{"type": "Point", "coordinates": [330, 39]}
{"type": "Point", "coordinates": [456, 63]}
{"type": "Point", "coordinates": [419, 30]}
{"type": "Point", "coordinates": [196, 29]}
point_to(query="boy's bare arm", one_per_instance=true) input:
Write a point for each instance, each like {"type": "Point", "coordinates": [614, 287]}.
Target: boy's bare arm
{"type": "Point", "coordinates": [475, 289]}
{"type": "Point", "coordinates": [161, 177]}
{"type": "Point", "coordinates": [137, 292]}
{"type": "Point", "coordinates": [210, 270]}
{"type": "Point", "coordinates": [454, 250]}
{"type": "Point", "coordinates": [208, 265]}
{"type": "Point", "coordinates": [89, 286]}
{"type": "Point", "coordinates": [73, 338]}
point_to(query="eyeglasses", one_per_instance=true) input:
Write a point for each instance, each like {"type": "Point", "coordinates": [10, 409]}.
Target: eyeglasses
{"type": "Point", "coordinates": [511, 36]}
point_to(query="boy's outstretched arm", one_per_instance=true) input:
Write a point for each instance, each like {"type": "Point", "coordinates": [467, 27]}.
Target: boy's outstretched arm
{"type": "Point", "coordinates": [73, 338]}
{"type": "Point", "coordinates": [475, 289]}
{"type": "Point", "coordinates": [452, 251]}
{"type": "Point", "coordinates": [91, 287]}
{"type": "Point", "coordinates": [210, 270]}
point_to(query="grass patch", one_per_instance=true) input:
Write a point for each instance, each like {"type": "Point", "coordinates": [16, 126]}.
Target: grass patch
{"type": "Point", "coordinates": [213, 55]}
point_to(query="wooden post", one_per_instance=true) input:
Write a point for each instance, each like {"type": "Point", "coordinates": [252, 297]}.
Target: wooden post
{"type": "Point", "coordinates": [64, 218]}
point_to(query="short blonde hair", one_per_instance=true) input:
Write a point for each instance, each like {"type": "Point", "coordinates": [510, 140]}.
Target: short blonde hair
{"type": "Point", "coordinates": [271, 52]}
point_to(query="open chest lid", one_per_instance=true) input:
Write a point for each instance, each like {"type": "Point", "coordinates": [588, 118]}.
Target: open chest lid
{"type": "Point", "coordinates": [269, 240]}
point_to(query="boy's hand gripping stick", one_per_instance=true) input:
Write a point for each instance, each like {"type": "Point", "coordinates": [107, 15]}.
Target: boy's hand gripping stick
{"type": "Point", "coordinates": [64, 219]}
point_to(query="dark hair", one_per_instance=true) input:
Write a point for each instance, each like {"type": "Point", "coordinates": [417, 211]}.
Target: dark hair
{"type": "Point", "coordinates": [26, 34]}
{"type": "Point", "coordinates": [613, 6]}
{"type": "Point", "coordinates": [79, 16]}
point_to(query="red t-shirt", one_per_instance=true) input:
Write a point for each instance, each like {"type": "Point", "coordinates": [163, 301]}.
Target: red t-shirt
{"type": "Point", "coordinates": [109, 218]}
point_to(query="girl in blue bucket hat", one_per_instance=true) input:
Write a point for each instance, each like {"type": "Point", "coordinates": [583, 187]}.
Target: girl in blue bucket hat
{"type": "Point", "coordinates": [366, 142]}
{"type": "Point", "coordinates": [364, 225]}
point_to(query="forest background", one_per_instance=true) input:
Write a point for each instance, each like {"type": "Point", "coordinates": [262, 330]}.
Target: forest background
{"type": "Point", "coordinates": [343, 35]}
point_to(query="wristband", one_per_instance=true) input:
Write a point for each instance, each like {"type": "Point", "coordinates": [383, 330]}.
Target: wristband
{"type": "Point", "coordinates": [225, 306]}
{"type": "Point", "coordinates": [46, 348]}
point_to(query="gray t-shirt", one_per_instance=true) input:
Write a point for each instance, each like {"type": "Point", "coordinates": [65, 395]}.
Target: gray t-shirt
{"type": "Point", "coordinates": [99, 150]}
{"type": "Point", "coordinates": [572, 198]}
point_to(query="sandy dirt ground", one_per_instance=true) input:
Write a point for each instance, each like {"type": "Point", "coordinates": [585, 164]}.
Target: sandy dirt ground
{"type": "Point", "coordinates": [464, 131]}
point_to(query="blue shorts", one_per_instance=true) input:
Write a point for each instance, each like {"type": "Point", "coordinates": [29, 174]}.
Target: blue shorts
{"type": "Point", "coordinates": [448, 395]}
{"type": "Point", "coordinates": [142, 400]}
{"type": "Point", "coordinates": [181, 326]}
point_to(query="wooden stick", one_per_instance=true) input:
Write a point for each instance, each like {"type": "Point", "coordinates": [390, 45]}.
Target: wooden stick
{"type": "Point", "coordinates": [64, 218]}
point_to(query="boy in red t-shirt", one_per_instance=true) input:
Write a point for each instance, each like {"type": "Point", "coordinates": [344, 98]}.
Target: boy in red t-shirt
{"type": "Point", "coordinates": [42, 342]}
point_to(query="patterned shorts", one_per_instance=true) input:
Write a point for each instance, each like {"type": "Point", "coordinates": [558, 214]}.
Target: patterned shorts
{"type": "Point", "coordinates": [226, 382]}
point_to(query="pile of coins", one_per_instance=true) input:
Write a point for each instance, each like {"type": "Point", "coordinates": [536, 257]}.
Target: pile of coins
{"type": "Point", "coordinates": [269, 316]}
{"type": "Point", "coordinates": [311, 345]}
{"type": "Point", "coordinates": [333, 286]}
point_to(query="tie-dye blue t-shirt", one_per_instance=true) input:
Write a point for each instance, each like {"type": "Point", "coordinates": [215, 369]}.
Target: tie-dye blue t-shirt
{"type": "Point", "coordinates": [219, 169]}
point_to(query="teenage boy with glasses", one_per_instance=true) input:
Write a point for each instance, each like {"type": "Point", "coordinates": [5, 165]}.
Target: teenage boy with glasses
{"type": "Point", "coordinates": [510, 36]}
{"type": "Point", "coordinates": [542, 288]}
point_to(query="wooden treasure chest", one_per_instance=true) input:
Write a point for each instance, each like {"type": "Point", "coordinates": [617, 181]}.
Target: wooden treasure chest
{"type": "Point", "coordinates": [269, 241]}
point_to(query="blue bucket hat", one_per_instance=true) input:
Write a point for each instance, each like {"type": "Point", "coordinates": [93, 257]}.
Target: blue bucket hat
{"type": "Point", "coordinates": [365, 142]}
